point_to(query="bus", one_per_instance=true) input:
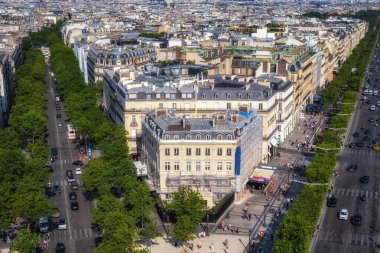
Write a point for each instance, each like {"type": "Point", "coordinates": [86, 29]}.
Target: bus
{"type": "Point", "coordinates": [71, 132]}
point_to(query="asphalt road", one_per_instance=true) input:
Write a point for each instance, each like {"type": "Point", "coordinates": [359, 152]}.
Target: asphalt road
{"type": "Point", "coordinates": [78, 237]}
{"type": "Point", "coordinates": [341, 236]}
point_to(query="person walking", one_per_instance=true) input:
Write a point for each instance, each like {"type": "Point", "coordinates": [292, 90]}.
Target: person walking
{"type": "Point", "coordinates": [212, 248]}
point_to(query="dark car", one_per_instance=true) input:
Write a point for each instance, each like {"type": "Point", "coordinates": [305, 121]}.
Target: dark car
{"type": "Point", "coordinates": [73, 196]}
{"type": "Point", "coordinates": [74, 205]}
{"type": "Point", "coordinates": [60, 248]}
{"type": "Point", "coordinates": [360, 144]}
{"type": "Point", "coordinates": [49, 168]}
{"type": "Point", "coordinates": [367, 132]}
{"type": "Point", "coordinates": [56, 103]}
{"type": "Point", "coordinates": [375, 141]}
{"type": "Point", "coordinates": [54, 151]}
{"type": "Point", "coordinates": [58, 116]}
{"type": "Point", "coordinates": [364, 179]}
{"type": "Point", "coordinates": [352, 145]}
{"type": "Point", "coordinates": [378, 120]}
{"type": "Point", "coordinates": [57, 189]}
{"type": "Point", "coordinates": [58, 108]}
{"type": "Point", "coordinates": [371, 120]}
{"type": "Point", "coordinates": [331, 201]}
{"type": "Point", "coordinates": [366, 138]}
{"type": "Point", "coordinates": [69, 172]}
{"type": "Point", "coordinates": [78, 163]}
{"type": "Point", "coordinates": [74, 186]}
{"type": "Point", "coordinates": [356, 134]}
{"type": "Point", "coordinates": [356, 220]}
{"type": "Point", "coordinates": [352, 168]}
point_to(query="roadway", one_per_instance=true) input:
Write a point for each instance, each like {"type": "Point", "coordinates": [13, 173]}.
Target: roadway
{"type": "Point", "coordinates": [336, 235]}
{"type": "Point", "coordinates": [78, 237]}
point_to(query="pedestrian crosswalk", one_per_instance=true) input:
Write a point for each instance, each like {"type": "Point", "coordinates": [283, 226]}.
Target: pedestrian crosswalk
{"type": "Point", "coordinates": [63, 182]}
{"type": "Point", "coordinates": [361, 151]}
{"type": "Point", "coordinates": [354, 239]}
{"type": "Point", "coordinates": [356, 193]}
{"type": "Point", "coordinates": [72, 234]}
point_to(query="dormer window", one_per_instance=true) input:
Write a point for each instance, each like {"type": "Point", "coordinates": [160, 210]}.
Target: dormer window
{"type": "Point", "coordinates": [228, 96]}
{"type": "Point", "coordinates": [188, 137]}
{"type": "Point", "coordinates": [198, 137]}
{"type": "Point", "coordinates": [176, 137]}
{"type": "Point", "coordinates": [208, 137]}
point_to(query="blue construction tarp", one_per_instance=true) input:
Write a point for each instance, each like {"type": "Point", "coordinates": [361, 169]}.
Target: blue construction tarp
{"type": "Point", "coordinates": [237, 161]}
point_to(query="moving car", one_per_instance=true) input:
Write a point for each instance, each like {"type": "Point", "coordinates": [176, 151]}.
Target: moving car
{"type": "Point", "coordinates": [376, 147]}
{"type": "Point", "coordinates": [73, 196]}
{"type": "Point", "coordinates": [331, 201]}
{"type": "Point", "coordinates": [364, 179]}
{"type": "Point", "coordinates": [373, 108]}
{"type": "Point", "coordinates": [57, 189]}
{"type": "Point", "coordinates": [58, 108]}
{"type": "Point", "coordinates": [62, 224]}
{"type": "Point", "coordinates": [74, 205]}
{"type": "Point", "coordinates": [343, 214]}
{"type": "Point", "coordinates": [74, 186]}
{"type": "Point", "coordinates": [59, 124]}
{"type": "Point", "coordinates": [352, 168]}
{"type": "Point", "coordinates": [70, 178]}
{"type": "Point", "coordinates": [360, 144]}
{"type": "Point", "coordinates": [356, 134]}
{"type": "Point", "coordinates": [60, 248]}
{"type": "Point", "coordinates": [78, 171]}
{"type": "Point", "coordinates": [356, 220]}
{"type": "Point", "coordinates": [58, 116]}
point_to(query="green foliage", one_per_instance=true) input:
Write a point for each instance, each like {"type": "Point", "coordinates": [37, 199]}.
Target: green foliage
{"type": "Point", "coordinates": [316, 14]}
{"type": "Point", "coordinates": [189, 208]}
{"type": "Point", "coordinates": [25, 241]}
{"type": "Point", "coordinates": [295, 231]}
{"type": "Point", "coordinates": [152, 35]}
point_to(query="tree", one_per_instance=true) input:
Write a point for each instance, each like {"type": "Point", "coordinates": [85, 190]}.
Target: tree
{"type": "Point", "coordinates": [96, 174]}
{"type": "Point", "coordinates": [189, 208]}
{"type": "Point", "coordinates": [25, 241]}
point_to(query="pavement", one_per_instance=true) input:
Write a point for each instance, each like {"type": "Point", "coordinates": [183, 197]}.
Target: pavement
{"type": "Point", "coordinates": [335, 235]}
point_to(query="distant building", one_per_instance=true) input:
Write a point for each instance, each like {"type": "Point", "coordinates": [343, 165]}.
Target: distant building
{"type": "Point", "coordinates": [214, 155]}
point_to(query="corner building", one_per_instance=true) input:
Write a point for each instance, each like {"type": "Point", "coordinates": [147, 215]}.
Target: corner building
{"type": "Point", "coordinates": [214, 155]}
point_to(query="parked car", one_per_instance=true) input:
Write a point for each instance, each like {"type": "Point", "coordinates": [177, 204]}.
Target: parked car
{"type": "Point", "coordinates": [78, 171]}
{"type": "Point", "coordinates": [70, 178]}
{"type": "Point", "coordinates": [60, 247]}
{"type": "Point", "coordinates": [331, 201]}
{"type": "Point", "coordinates": [373, 108]}
{"type": "Point", "coordinates": [78, 163]}
{"type": "Point", "coordinates": [56, 213]}
{"type": "Point", "coordinates": [364, 179]}
{"type": "Point", "coordinates": [343, 214]}
{"type": "Point", "coordinates": [44, 224]}
{"type": "Point", "coordinates": [360, 144]}
{"type": "Point", "coordinates": [352, 168]}
{"type": "Point", "coordinates": [49, 168]}
{"type": "Point", "coordinates": [57, 189]}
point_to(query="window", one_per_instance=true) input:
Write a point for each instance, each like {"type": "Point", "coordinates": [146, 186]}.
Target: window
{"type": "Point", "coordinates": [280, 106]}
{"type": "Point", "coordinates": [167, 137]}
{"type": "Point", "coordinates": [173, 96]}
{"type": "Point", "coordinates": [279, 128]}
{"type": "Point", "coordinates": [228, 105]}
{"type": "Point", "coordinates": [188, 137]}
{"type": "Point", "coordinates": [176, 151]}
{"type": "Point", "coordinates": [133, 118]}
{"type": "Point", "coordinates": [249, 95]}
{"type": "Point", "coordinates": [197, 151]}
{"type": "Point", "coordinates": [176, 137]}
{"type": "Point", "coordinates": [176, 166]}
{"type": "Point", "coordinates": [197, 166]}
{"type": "Point", "coordinates": [167, 166]}
{"type": "Point", "coordinates": [208, 137]}
{"type": "Point", "coordinates": [158, 95]}
{"type": "Point", "coordinates": [188, 151]}
{"type": "Point", "coordinates": [207, 151]}
{"type": "Point", "coordinates": [229, 137]}
{"type": "Point", "coordinates": [219, 151]}
{"type": "Point", "coordinates": [160, 105]}
{"type": "Point", "coordinates": [174, 106]}
{"type": "Point", "coordinates": [167, 95]}
{"type": "Point", "coordinates": [148, 96]}
{"type": "Point", "coordinates": [260, 106]}
{"type": "Point", "coordinates": [219, 137]}
{"type": "Point", "coordinates": [228, 97]}
{"type": "Point", "coordinates": [239, 95]}
{"type": "Point", "coordinates": [198, 137]}
{"type": "Point", "coordinates": [228, 166]}
{"type": "Point", "coordinates": [167, 151]}
{"type": "Point", "coordinates": [188, 166]}
{"type": "Point", "coordinates": [207, 166]}
{"type": "Point", "coordinates": [219, 166]}
{"type": "Point", "coordinates": [228, 152]}
{"type": "Point", "coordinates": [215, 95]}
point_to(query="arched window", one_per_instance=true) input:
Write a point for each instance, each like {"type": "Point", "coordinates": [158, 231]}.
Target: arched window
{"type": "Point", "coordinates": [188, 137]}
{"type": "Point", "coordinates": [229, 137]}
{"type": "Point", "coordinates": [176, 137]}
{"type": "Point", "coordinates": [167, 137]}
{"type": "Point", "coordinates": [208, 137]}
{"type": "Point", "coordinates": [199, 137]}
{"type": "Point", "coordinates": [219, 137]}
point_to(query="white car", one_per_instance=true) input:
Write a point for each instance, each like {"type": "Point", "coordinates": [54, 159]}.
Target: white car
{"type": "Point", "coordinates": [343, 214]}
{"type": "Point", "coordinates": [78, 171]}
{"type": "Point", "coordinates": [375, 93]}
{"type": "Point", "coordinates": [378, 103]}
{"type": "Point", "coordinates": [370, 92]}
{"type": "Point", "coordinates": [62, 224]}
{"type": "Point", "coordinates": [59, 124]}
{"type": "Point", "coordinates": [373, 108]}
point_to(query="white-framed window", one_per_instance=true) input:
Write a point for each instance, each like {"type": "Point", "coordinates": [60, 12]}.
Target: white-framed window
{"type": "Point", "coordinates": [176, 151]}
{"type": "Point", "coordinates": [167, 166]}
{"type": "Point", "coordinates": [198, 166]}
{"type": "Point", "coordinates": [219, 152]}
{"type": "Point", "coordinates": [167, 137]}
{"type": "Point", "coordinates": [167, 95]}
{"type": "Point", "coordinates": [188, 166]}
{"type": "Point", "coordinates": [207, 151]}
{"type": "Point", "coordinates": [228, 166]}
{"type": "Point", "coordinates": [158, 95]}
{"type": "Point", "coordinates": [188, 137]}
{"type": "Point", "coordinates": [176, 137]}
{"type": "Point", "coordinates": [207, 166]}
{"type": "Point", "coordinates": [198, 151]}
{"type": "Point", "coordinates": [198, 137]}
{"type": "Point", "coordinates": [176, 166]}
{"type": "Point", "coordinates": [219, 166]}
{"type": "Point", "coordinates": [167, 151]}
{"type": "Point", "coordinates": [208, 137]}
{"type": "Point", "coordinates": [219, 137]}
{"type": "Point", "coordinates": [228, 152]}
{"type": "Point", "coordinates": [229, 137]}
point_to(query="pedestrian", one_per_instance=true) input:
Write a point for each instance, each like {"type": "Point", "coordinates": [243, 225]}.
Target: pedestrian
{"type": "Point", "coordinates": [199, 245]}
{"type": "Point", "coordinates": [191, 246]}
{"type": "Point", "coordinates": [212, 248]}
{"type": "Point", "coordinates": [249, 216]}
